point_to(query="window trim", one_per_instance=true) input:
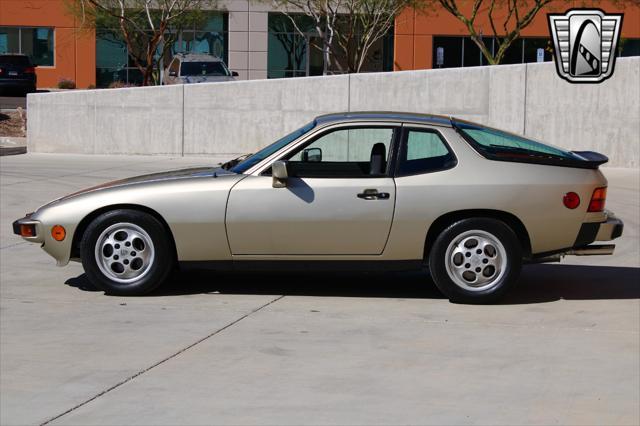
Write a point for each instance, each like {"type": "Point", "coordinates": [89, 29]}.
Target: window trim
{"type": "Point", "coordinates": [402, 146]}
{"type": "Point", "coordinates": [308, 138]}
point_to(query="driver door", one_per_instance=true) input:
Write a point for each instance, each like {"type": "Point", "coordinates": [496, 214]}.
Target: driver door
{"type": "Point", "coordinates": [338, 200]}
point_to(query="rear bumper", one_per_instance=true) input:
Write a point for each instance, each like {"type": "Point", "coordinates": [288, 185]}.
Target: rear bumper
{"type": "Point", "coordinates": [18, 83]}
{"type": "Point", "coordinates": [589, 233]}
{"type": "Point", "coordinates": [608, 230]}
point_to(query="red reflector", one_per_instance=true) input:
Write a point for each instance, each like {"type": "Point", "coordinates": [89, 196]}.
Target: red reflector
{"type": "Point", "coordinates": [28, 230]}
{"type": "Point", "coordinates": [571, 200]}
{"type": "Point", "coordinates": [30, 70]}
{"type": "Point", "coordinates": [598, 200]}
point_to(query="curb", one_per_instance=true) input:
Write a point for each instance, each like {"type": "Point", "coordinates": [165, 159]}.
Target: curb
{"type": "Point", "coordinates": [14, 150]}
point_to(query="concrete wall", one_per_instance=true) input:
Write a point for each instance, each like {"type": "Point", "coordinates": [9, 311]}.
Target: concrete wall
{"type": "Point", "coordinates": [239, 117]}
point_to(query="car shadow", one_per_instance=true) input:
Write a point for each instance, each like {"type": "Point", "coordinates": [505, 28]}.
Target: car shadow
{"type": "Point", "coordinates": [537, 284]}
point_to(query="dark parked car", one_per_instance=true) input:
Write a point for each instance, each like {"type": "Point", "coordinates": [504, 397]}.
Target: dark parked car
{"type": "Point", "coordinates": [17, 74]}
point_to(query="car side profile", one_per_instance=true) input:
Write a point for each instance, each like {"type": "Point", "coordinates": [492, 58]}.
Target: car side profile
{"type": "Point", "coordinates": [368, 190]}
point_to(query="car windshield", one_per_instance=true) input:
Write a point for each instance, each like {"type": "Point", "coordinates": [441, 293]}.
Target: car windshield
{"type": "Point", "coordinates": [15, 60]}
{"type": "Point", "coordinates": [204, 69]}
{"type": "Point", "coordinates": [494, 141]}
{"type": "Point", "coordinates": [274, 147]}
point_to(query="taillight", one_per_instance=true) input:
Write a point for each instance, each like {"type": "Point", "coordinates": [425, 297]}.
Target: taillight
{"type": "Point", "coordinates": [598, 199]}
{"type": "Point", "coordinates": [571, 200]}
{"type": "Point", "coordinates": [30, 70]}
{"type": "Point", "coordinates": [1, 71]}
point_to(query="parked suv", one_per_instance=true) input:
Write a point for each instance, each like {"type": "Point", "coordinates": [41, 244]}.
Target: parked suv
{"type": "Point", "coordinates": [17, 74]}
{"type": "Point", "coordinates": [197, 68]}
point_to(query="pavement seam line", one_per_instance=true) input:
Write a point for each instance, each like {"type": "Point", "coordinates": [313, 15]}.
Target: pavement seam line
{"type": "Point", "coordinates": [20, 243]}
{"type": "Point", "coordinates": [162, 361]}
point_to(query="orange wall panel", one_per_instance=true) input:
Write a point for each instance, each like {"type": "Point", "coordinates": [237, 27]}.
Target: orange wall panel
{"type": "Point", "coordinates": [403, 52]}
{"type": "Point", "coordinates": [422, 56]}
{"type": "Point", "coordinates": [86, 59]}
{"type": "Point", "coordinates": [41, 13]}
{"type": "Point", "coordinates": [405, 22]}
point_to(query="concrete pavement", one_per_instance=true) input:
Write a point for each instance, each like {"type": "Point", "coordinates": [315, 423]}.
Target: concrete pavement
{"type": "Point", "coordinates": [285, 348]}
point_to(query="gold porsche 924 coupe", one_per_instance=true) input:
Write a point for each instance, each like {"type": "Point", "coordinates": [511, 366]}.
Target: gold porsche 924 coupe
{"type": "Point", "coordinates": [365, 190]}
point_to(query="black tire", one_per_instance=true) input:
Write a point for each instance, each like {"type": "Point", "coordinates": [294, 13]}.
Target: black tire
{"type": "Point", "coordinates": [117, 268]}
{"type": "Point", "coordinates": [473, 280]}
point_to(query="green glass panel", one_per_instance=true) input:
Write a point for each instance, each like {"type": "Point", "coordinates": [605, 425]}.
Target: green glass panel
{"type": "Point", "coordinates": [421, 145]}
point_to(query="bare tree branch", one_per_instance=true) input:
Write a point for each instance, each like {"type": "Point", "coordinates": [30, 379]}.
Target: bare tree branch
{"type": "Point", "coordinates": [348, 28]}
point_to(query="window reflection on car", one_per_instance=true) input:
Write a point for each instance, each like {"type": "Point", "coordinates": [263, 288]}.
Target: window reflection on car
{"type": "Point", "coordinates": [204, 68]}
{"type": "Point", "coordinates": [254, 159]}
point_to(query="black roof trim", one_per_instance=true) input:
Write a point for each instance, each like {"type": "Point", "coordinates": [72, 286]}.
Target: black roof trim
{"type": "Point", "coordinates": [439, 120]}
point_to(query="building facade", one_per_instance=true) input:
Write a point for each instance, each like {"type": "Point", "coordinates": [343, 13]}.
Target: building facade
{"type": "Point", "coordinates": [43, 30]}
{"type": "Point", "coordinates": [419, 34]}
{"type": "Point", "coordinates": [259, 42]}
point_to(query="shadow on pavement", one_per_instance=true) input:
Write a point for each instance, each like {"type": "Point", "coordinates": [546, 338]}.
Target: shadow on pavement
{"type": "Point", "coordinates": [537, 284]}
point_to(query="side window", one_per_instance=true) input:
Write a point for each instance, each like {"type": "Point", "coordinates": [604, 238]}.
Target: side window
{"type": "Point", "coordinates": [352, 152]}
{"type": "Point", "coordinates": [424, 151]}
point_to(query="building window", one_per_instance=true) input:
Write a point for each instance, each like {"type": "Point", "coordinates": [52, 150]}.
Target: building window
{"type": "Point", "coordinates": [113, 62]}
{"type": "Point", "coordinates": [452, 52]}
{"type": "Point", "coordinates": [37, 43]}
{"type": "Point", "coordinates": [629, 47]}
{"type": "Point", "coordinates": [291, 54]}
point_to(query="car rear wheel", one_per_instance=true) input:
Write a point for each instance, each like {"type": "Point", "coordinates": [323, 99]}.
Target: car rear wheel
{"type": "Point", "coordinates": [126, 252]}
{"type": "Point", "coordinates": [475, 260]}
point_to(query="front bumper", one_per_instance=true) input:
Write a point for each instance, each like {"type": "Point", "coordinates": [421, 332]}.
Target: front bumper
{"type": "Point", "coordinates": [59, 250]}
{"type": "Point", "coordinates": [39, 234]}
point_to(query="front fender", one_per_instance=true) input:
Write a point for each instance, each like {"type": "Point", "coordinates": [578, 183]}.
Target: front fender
{"type": "Point", "coordinates": [194, 210]}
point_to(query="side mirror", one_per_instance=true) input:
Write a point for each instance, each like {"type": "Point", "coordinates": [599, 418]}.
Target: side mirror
{"type": "Point", "coordinates": [312, 155]}
{"type": "Point", "coordinates": [173, 74]}
{"type": "Point", "coordinates": [234, 74]}
{"type": "Point", "coordinates": [279, 173]}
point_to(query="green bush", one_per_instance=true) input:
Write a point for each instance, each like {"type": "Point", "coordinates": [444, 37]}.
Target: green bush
{"type": "Point", "coordinates": [66, 83]}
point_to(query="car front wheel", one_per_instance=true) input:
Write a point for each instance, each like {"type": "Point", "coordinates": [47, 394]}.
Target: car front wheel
{"type": "Point", "coordinates": [475, 260]}
{"type": "Point", "coordinates": [126, 252]}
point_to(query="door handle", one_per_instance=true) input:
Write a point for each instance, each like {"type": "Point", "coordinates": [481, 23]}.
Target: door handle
{"type": "Point", "coordinates": [373, 194]}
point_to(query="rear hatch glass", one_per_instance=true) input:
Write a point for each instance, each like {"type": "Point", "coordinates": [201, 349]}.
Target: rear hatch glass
{"type": "Point", "coordinates": [499, 145]}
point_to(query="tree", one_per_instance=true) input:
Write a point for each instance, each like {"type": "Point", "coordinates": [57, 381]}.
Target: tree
{"type": "Point", "coordinates": [348, 28]}
{"type": "Point", "coordinates": [148, 27]}
{"type": "Point", "coordinates": [519, 14]}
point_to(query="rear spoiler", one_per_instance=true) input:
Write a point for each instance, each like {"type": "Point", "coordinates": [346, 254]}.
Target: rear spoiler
{"type": "Point", "coordinates": [594, 159]}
